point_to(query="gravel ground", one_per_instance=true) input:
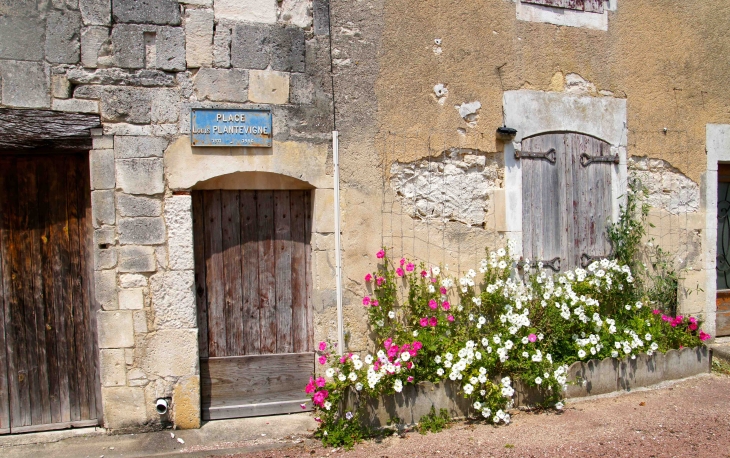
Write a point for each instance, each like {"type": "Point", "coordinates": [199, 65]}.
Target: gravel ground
{"type": "Point", "coordinates": [685, 419]}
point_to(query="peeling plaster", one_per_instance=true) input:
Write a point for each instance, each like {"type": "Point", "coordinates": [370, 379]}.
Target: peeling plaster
{"type": "Point", "coordinates": [669, 189]}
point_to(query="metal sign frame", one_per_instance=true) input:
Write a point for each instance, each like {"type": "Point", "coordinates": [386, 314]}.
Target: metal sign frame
{"type": "Point", "coordinates": [231, 127]}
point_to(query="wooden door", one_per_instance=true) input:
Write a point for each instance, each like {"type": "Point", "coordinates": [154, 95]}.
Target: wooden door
{"type": "Point", "coordinates": [566, 199]}
{"type": "Point", "coordinates": [48, 365]}
{"type": "Point", "coordinates": [252, 274]}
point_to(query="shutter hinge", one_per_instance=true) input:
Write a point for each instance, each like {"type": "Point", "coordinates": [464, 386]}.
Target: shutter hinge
{"type": "Point", "coordinates": [586, 159]}
{"type": "Point", "coordinates": [553, 264]}
{"type": "Point", "coordinates": [548, 156]}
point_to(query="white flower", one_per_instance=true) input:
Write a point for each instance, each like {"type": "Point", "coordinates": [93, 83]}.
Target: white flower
{"type": "Point", "coordinates": [486, 412]}
{"type": "Point", "coordinates": [405, 356]}
{"type": "Point", "coordinates": [468, 388]}
{"type": "Point", "coordinates": [398, 386]}
{"type": "Point", "coordinates": [508, 345]}
{"type": "Point", "coordinates": [352, 376]}
{"type": "Point", "coordinates": [497, 340]}
{"type": "Point", "coordinates": [439, 372]}
{"type": "Point", "coordinates": [391, 314]}
{"type": "Point", "coordinates": [431, 289]}
{"type": "Point", "coordinates": [435, 270]}
{"type": "Point", "coordinates": [581, 353]}
{"type": "Point", "coordinates": [358, 386]}
{"type": "Point", "coordinates": [525, 340]}
{"type": "Point", "coordinates": [614, 354]}
{"type": "Point", "coordinates": [502, 265]}
{"type": "Point", "coordinates": [357, 363]}
{"type": "Point", "coordinates": [415, 333]}
{"type": "Point", "coordinates": [538, 380]}
{"type": "Point", "coordinates": [327, 405]}
{"type": "Point", "coordinates": [525, 354]}
{"type": "Point", "coordinates": [448, 356]}
{"type": "Point", "coordinates": [329, 373]}
{"type": "Point", "coordinates": [369, 359]}
{"type": "Point", "coordinates": [477, 405]}
{"type": "Point", "coordinates": [647, 337]}
{"type": "Point", "coordinates": [342, 377]}
{"type": "Point", "coordinates": [559, 405]}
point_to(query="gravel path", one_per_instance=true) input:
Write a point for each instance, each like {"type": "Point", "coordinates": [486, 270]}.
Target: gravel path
{"type": "Point", "coordinates": [686, 419]}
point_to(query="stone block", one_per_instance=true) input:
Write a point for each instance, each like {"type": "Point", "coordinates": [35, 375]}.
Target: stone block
{"type": "Point", "coordinates": [96, 12]}
{"type": "Point", "coordinates": [128, 205]}
{"type": "Point", "coordinates": [140, 176]}
{"type": "Point", "coordinates": [222, 85]}
{"type": "Point", "coordinates": [102, 207]}
{"type": "Point", "coordinates": [124, 407]}
{"type": "Point", "coordinates": [60, 87]}
{"type": "Point", "coordinates": [301, 89]}
{"type": "Point", "coordinates": [129, 45]}
{"type": "Point", "coordinates": [297, 12]}
{"type": "Point", "coordinates": [121, 128]}
{"type": "Point", "coordinates": [198, 38]}
{"type": "Point", "coordinates": [113, 367]}
{"type": "Point", "coordinates": [115, 77]}
{"type": "Point", "coordinates": [256, 46]}
{"type": "Point", "coordinates": [63, 45]}
{"type": "Point", "coordinates": [593, 377]}
{"type": "Point", "coordinates": [246, 10]}
{"type": "Point", "coordinates": [126, 104]}
{"type": "Point", "coordinates": [141, 231]}
{"type": "Point", "coordinates": [165, 106]}
{"type": "Point", "coordinates": [179, 219]}
{"type": "Point", "coordinates": [321, 16]}
{"type": "Point", "coordinates": [173, 299]}
{"type": "Point", "coordinates": [104, 237]}
{"type": "Point", "coordinates": [22, 38]}
{"type": "Point", "coordinates": [161, 257]}
{"type": "Point", "coordinates": [222, 47]}
{"type": "Point", "coordinates": [197, 2]}
{"type": "Point", "coordinates": [137, 259]}
{"type": "Point", "coordinates": [105, 288]}
{"type": "Point", "coordinates": [265, 86]}
{"type": "Point", "coordinates": [140, 322]}
{"type": "Point", "coordinates": [24, 84]}
{"type": "Point", "coordinates": [324, 211]}
{"type": "Point", "coordinates": [170, 48]}
{"type": "Point", "coordinates": [75, 105]}
{"type": "Point", "coordinates": [131, 299]}
{"type": "Point", "coordinates": [137, 377]}
{"type": "Point", "coordinates": [132, 281]}
{"type": "Point", "coordinates": [161, 12]}
{"type": "Point", "coordinates": [100, 142]}
{"type": "Point", "coordinates": [186, 403]}
{"type": "Point", "coordinates": [181, 257]}
{"type": "Point", "coordinates": [170, 353]}
{"type": "Point", "coordinates": [129, 147]}
{"type": "Point", "coordinates": [116, 329]}
{"type": "Point", "coordinates": [288, 49]}
{"type": "Point", "coordinates": [92, 40]}
{"type": "Point", "coordinates": [101, 165]}
{"type": "Point", "coordinates": [105, 258]}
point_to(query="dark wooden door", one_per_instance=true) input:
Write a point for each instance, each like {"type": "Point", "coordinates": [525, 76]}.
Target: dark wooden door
{"type": "Point", "coordinates": [48, 364]}
{"type": "Point", "coordinates": [566, 199]}
{"type": "Point", "coordinates": [252, 271]}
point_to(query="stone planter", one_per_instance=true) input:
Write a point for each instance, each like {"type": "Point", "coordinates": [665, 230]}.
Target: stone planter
{"type": "Point", "coordinates": [586, 378]}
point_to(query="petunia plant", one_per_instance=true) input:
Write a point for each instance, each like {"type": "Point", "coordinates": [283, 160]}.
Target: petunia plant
{"type": "Point", "coordinates": [503, 321]}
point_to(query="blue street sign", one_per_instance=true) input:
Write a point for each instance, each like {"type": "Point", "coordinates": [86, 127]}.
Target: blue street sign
{"type": "Point", "coordinates": [230, 127]}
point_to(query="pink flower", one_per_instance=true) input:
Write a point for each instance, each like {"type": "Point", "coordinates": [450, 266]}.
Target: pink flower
{"type": "Point", "coordinates": [424, 273]}
{"type": "Point", "coordinates": [409, 365]}
{"type": "Point", "coordinates": [388, 342]}
{"type": "Point", "coordinates": [409, 379]}
{"type": "Point", "coordinates": [343, 358]}
{"type": "Point", "coordinates": [692, 319]}
{"type": "Point", "coordinates": [368, 278]}
{"type": "Point", "coordinates": [450, 317]}
{"type": "Point", "coordinates": [704, 336]}
{"type": "Point", "coordinates": [392, 351]}
{"type": "Point", "coordinates": [402, 261]}
{"type": "Point", "coordinates": [322, 346]}
{"type": "Point", "coordinates": [442, 290]}
{"type": "Point", "coordinates": [679, 318]}
{"type": "Point", "coordinates": [303, 406]}
{"type": "Point", "coordinates": [380, 254]}
{"type": "Point", "coordinates": [417, 345]}
{"type": "Point", "coordinates": [320, 382]}
{"type": "Point", "coordinates": [410, 266]}
{"type": "Point", "coordinates": [405, 347]}
{"type": "Point", "coordinates": [433, 321]}
{"type": "Point", "coordinates": [309, 389]}
{"type": "Point", "coordinates": [319, 397]}
{"type": "Point", "coordinates": [655, 312]}
{"type": "Point", "coordinates": [532, 338]}
{"type": "Point", "coordinates": [399, 272]}
{"type": "Point", "coordinates": [318, 420]}
{"type": "Point", "coordinates": [366, 300]}
{"type": "Point", "coordinates": [692, 326]}
{"type": "Point", "coordinates": [323, 360]}
{"type": "Point", "coordinates": [673, 324]}
{"type": "Point", "coordinates": [423, 322]}
{"type": "Point", "coordinates": [446, 305]}
{"type": "Point", "coordinates": [433, 280]}
{"type": "Point", "coordinates": [433, 304]}
{"type": "Point", "coordinates": [380, 281]}
{"type": "Point", "coordinates": [375, 303]}
{"type": "Point", "coordinates": [665, 318]}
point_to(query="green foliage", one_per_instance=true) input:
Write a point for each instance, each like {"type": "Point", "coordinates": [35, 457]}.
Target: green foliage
{"type": "Point", "coordinates": [434, 422]}
{"type": "Point", "coordinates": [341, 432]}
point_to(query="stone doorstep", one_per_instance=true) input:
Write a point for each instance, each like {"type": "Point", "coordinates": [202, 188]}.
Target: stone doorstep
{"type": "Point", "coordinates": [607, 377]}
{"type": "Point", "coordinates": [220, 437]}
{"type": "Point", "coordinates": [721, 350]}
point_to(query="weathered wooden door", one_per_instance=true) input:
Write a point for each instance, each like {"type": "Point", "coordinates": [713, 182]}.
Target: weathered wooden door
{"type": "Point", "coordinates": [252, 270]}
{"type": "Point", "coordinates": [566, 199]}
{"type": "Point", "coordinates": [48, 365]}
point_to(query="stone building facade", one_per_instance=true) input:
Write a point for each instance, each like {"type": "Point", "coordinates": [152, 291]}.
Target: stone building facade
{"type": "Point", "coordinates": [416, 92]}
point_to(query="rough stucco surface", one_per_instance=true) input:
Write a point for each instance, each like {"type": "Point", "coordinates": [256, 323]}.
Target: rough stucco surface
{"type": "Point", "coordinates": [668, 189]}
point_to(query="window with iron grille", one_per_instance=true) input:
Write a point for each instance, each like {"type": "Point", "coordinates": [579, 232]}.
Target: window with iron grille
{"type": "Point", "coordinates": [592, 6]}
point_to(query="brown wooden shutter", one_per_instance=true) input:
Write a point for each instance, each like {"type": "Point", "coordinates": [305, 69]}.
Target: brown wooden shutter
{"type": "Point", "coordinates": [594, 6]}
{"type": "Point", "coordinates": [566, 204]}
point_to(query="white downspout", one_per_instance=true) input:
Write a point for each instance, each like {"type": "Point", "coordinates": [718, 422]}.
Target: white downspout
{"type": "Point", "coordinates": [338, 255]}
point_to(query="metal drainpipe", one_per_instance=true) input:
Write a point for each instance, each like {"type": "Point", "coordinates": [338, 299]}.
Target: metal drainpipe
{"type": "Point", "coordinates": [338, 249]}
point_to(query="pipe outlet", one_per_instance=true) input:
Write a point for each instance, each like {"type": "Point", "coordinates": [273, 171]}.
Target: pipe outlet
{"type": "Point", "coordinates": [161, 406]}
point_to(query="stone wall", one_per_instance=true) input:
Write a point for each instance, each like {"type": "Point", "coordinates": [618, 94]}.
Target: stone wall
{"type": "Point", "coordinates": [141, 66]}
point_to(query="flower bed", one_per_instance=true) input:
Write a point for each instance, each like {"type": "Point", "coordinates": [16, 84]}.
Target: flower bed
{"type": "Point", "coordinates": [508, 334]}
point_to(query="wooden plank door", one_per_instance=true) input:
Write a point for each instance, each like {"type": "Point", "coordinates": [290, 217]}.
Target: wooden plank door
{"type": "Point", "coordinates": [49, 378]}
{"type": "Point", "coordinates": [252, 270]}
{"type": "Point", "coordinates": [566, 199]}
